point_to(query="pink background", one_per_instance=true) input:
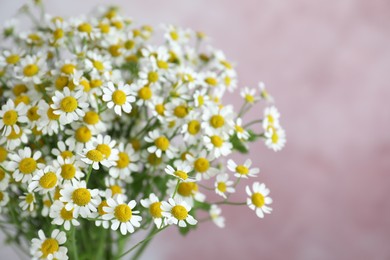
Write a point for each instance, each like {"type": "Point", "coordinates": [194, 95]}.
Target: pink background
{"type": "Point", "coordinates": [327, 64]}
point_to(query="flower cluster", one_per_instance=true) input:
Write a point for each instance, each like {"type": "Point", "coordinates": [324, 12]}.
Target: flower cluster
{"type": "Point", "coordinates": [103, 129]}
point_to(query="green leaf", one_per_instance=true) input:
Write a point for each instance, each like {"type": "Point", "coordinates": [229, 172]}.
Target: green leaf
{"type": "Point", "coordinates": [252, 136]}
{"type": "Point", "coordinates": [238, 144]}
{"type": "Point", "coordinates": [202, 205]}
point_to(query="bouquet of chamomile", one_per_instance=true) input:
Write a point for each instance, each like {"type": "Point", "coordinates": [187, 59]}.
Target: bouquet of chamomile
{"type": "Point", "coordinates": [106, 131]}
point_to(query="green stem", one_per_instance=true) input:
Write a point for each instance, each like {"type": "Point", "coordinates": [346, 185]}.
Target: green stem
{"type": "Point", "coordinates": [75, 254]}
{"type": "Point", "coordinates": [177, 186]}
{"type": "Point", "coordinates": [89, 173]}
{"type": "Point", "coordinates": [230, 203]}
{"type": "Point", "coordinates": [253, 122]}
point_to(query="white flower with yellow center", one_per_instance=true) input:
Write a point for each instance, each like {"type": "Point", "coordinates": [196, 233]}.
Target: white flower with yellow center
{"type": "Point", "coordinates": [201, 164]}
{"type": "Point", "coordinates": [218, 145]}
{"type": "Point", "coordinates": [100, 211]}
{"type": "Point", "coordinates": [264, 93]}
{"type": "Point", "coordinates": [201, 98]}
{"type": "Point", "coordinates": [24, 164]}
{"type": "Point", "coordinates": [80, 134]}
{"type": "Point", "coordinates": [69, 105]}
{"type": "Point", "coordinates": [81, 200]}
{"type": "Point", "coordinates": [192, 128]}
{"type": "Point", "coordinates": [154, 205]}
{"type": "Point", "coordinates": [65, 150]}
{"type": "Point", "coordinates": [177, 213]}
{"type": "Point", "coordinates": [69, 169]}
{"type": "Point", "coordinates": [11, 115]}
{"type": "Point", "coordinates": [97, 63]}
{"type": "Point", "coordinates": [209, 79]}
{"type": "Point", "coordinates": [180, 171]}
{"type": "Point", "coordinates": [175, 35]}
{"type": "Point", "coordinates": [48, 121]}
{"type": "Point", "coordinates": [271, 118]}
{"type": "Point", "coordinates": [239, 130]}
{"type": "Point", "coordinates": [149, 74]}
{"type": "Point", "coordinates": [127, 162]}
{"type": "Point", "coordinates": [31, 68]}
{"type": "Point", "coordinates": [45, 180]}
{"type": "Point", "coordinates": [100, 150]}
{"type": "Point", "coordinates": [118, 97]}
{"type": "Point", "coordinates": [249, 95]}
{"type": "Point", "coordinates": [12, 57]}
{"type": "Point", "coordinates": [187, 191]}
{"type": "Point", "coordinates": [160, 144]}
{"type": "Point", "coordinates": [177, 110]}
{"type": "Point", "coordinates": [122, 215]}
{"type": "Point", "coordinates": [61, 216]}
{"type": "Point", "coordinates": [258, 199]}
{"type": "Point", "coordinates": [46, 203]}
{"type": "Point", "coordinates": [144, 92]}
{"type": "Point", "coordinates": [49, 247]}
{"type": "Point", "coordinates": [275, 138]}
{"type": "Point", "coordinates": [158, 107]}
{"type": "Point", "coordinates": [33, 116]}
{"type": "Point", "coordinates": [223, 185]}
{"type": "Point", "coordinates": [84, 29]}
{"type": "Point", "coordinates": [93, 121]}
{"type": "Point", "coordinates": [215, 214]}
{"type": "Point", "coordinates": [27, 201]}
{"type": "Point", "coordinates": [243, 170]}
{"type": "Point", "coordinates": [217, 120]}
{"type": "Point", "coordinates": [15, 140]}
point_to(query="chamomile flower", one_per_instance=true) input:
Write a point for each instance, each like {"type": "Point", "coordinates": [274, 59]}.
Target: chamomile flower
{"type": "Point", "coordinates": [69, 169]}
{"type": "Point", "coordinates": [122, 215]}
{"type": "Point", "coordinates": [11, 115]}
{"type": "Point", "coordinates": [4, 179]}
{"type": "Point", "coordinates": [215, 214]}
{"type": "Point", "coordinates": [65, 150]}
{"type": "Point", "coordinates": [127, 162]}
{"type": "Point", "coordinates": [180, 171]}
{"type": "Point", "coordinates": [69, 105]}
{"type": "Point", "coordinates": [24, 164]}
{"type": "Point", "coordinates": [4, 199]}
{"type": "Point", "coordinates": [202, 165]}
{"type": "Point", "coordinates": [218, 145]}
{"type": "Point", "coordinates": [154, 205]}
{"type": "Point", "coordinates": [48, 121]}
{"type": "Point", "coordinates": [118, 97]}
{"type": "Point", "coordinates": [94, 122]}
{"type": "Point", "coordinates": [27, 201]}
{"type": "Point", "coordinates": [239, 130]}
{"type": "Point", "coordinates": [242, 170]}
{"type": "Point", "coordinates": [49, 247]}
{"type": "Point", "coordinates": [96, 153]}
{"type": "Point", "coordinates": [160, 144]}
{"type": "Point", "coordinates": [187, 191]}
{"type": "Point", "coordinates": [44, 180]}
{"type": "Point", "coordinates": [177, 213]}
{"type": "Point", "coordinates": [275, 138]}
{"type": "Point", "coordinates": [264, 93]}
{"type": "Point", "coordinates": [31, 68]}
{"type": "Point", "coordinates": [258, 199]}
{"type": "Point", "coordinates": [217, 120]}
{"type": "Point", "coordinates": [249, 95]}
{"type": "Point", "coordinates": [81, 200]}
{"type": "Point", "coordinates": [223, 185]}
{"type": "Point", "coordinates": [271, 118]}
{"type": "Point", "coordinates": [61, 216]}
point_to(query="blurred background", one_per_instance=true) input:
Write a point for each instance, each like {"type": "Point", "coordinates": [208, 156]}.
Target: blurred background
{"type": "Point", "coordinates": [327, 65]}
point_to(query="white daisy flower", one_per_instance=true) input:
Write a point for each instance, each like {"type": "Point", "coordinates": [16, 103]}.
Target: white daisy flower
{"type": "Point", "coordinates": [239, 130]}
{"type": "Point", "coordinates": [28, 201]}
{"type": "Point", "coordinates": [96, 62]}
{"type": "Point", "coordinates": [61, 216]}
{"type": "Point", "coordinates": [242, 170]}
{"type": "Point", "coordinates": [44, 180]}
{"type": "Point", "coordinates": [65, 150]}
{"type": "Point", "coordinates": [118, 97]}
{"type": "Point", "coordinates": [160, 145]}
{"type": "Point", "coordinates": [127, 162]}
{"type": "Point", "coordinates": [264, 93]}
{"type": "Point", "coordinates": [100, 150]}
{"type": "Point", "coordinates": [187, 191]}
{"type": "Point", "coordinates": [122, 215]}
{"type": "Point", "coordinates": [11, 115]}
{"type": "Point", "coordinates": [217, 120]}
{"type": "Point", "coordinates": [218, 145]}
{"type": "Point", "coordinates": [275, 138]}
{"type": "Point", "coordinates": [69, 105]}
{"type": "Point", "coordinates": [24, 164]}
{"type": "Point", "coordinates": [14, 140]}
{"type": "Point", "coordinates": [202, 165]}
{"type": "Point", "coordinates": [49, 247]}
{"type": "Point", "coordinates": [177, 212]}
{"type": "Point", "coordinates": [69, 169]}
{"type": "Point", "coordinates": [154, 205]}
{"type": "Point", "coordinates": [215, 214]}
{"type": "Point", "coordinates": [223, 185]}
{"type": "Point", "coordinates": [4, 199]}
{"type": "Point", "coordinates": [94, 122]}
{"type": "Point", "coordinates": [4, 179]}
{"type": "Point", "coordinates": [258, 199]}
{"type": "Point", "coordinates": [48, 122]}
{"type": "Point", "coordinates": [249, 95]}
{"type": "Point", "coordinates": [180, 171]}
{"type": "Point", "coordinates": [83, 201]}
{"type": "Point", "coordinates": [271, 118]}
{"type": "Point", "coordinates": [31, 68]}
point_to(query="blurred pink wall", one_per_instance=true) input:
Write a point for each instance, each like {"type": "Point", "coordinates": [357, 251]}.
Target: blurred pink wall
{"type": "Point", "coordinates": [327, 64]}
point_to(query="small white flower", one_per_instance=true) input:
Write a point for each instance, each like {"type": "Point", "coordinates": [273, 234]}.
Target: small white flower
{"type": "Point", "coordinates": [202, 165]}
{"type": "Point", "coordinates": [118, 97]}
{"type": "Point", "coordinates": [177, 212]}
{"type": "Point", "coordinates": [249, 95]}
{"type": "Point", "coordinates": [218, 145]}
{"type": "Point", "coordinates": [215, 214]}
{"type": "Point", "coordinates": [242, 170]}
{"type": "Point", "coordinates": [154, 205]}
{"type": "Point", "coordinates": [51, 247]}
{"type": "Point", "coordinates": [11, 115]}
{"type": "Point", "coordinates": [223, 185]}
{"type": "Point", "coordinates": [258, 199]}
{"type": "Point", "coordinates": [127, 162]}
{"type": "Point", "coordinates": [44, 180]}
{"type": "Point", "coordinates": [264, 93]}
{"type": "Point", "coordinates": [28, 201]}
{"type": "Point", "coordinates": [271, 118]}
{"type": "Point", "coordinates": [61, 216]}
{"type": "Point", "coordinates": [180, 171]}
{"type": "Point", "coordinates": [187, 191]}
{"type": "Point", "coordinates": [24, 164]}
{"type": "Point", "coordinates": [31, 68]}
{"type": "Point", "coordinates": [275, 138]}
{"type": "Point", "coordinates": [160, 145]}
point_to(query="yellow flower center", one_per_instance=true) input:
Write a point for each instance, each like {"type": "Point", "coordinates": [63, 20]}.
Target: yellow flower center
{"type": "Point", "coordinates": [123, 213]}
{"type": "Point", "coordinates": [153, 77]}
{"type": "Point", "coordinates": [249, 98]}
{"type": "Point", "coordinates": [186, 189]}
{"type": "Point", "coordinates": [239, 129]}
{"type": "Point", "coordinates": [58, 34]}
{"type": "Point", "coordinates": [217, 121]}
{"type": "Point", "coordinates": [32, 114]}
{"type": "Point", "coordinates": [194, 127]}
{"type": "Point", "coordinates": [85, 27]}
{"type": "Point", "coordinates": [162, 64]}
{"type": "Point", "coordinates": [83, 134]}
{"type": "Point", "coordinates": [13, 135]}
{"type": "Point", "coordinates": [48, 180]}
{"type": "Point", "coordinates": [68, 104]}
{"type": "Point", "coordinates": [95, 155]}
{"type": "Point", "coordinates": [179, 212]}
{"type": "Point", "coordinates": [181, 174]}
{"type": "Point", "coordinates": [104, 149]}
{"type": "Point", "coordinates": [200, 100]}
{"type": "Point", "coordinates": [3, 154]}
{"type": "Point", "coordinates": [47, 203]}
{"type": "Point", "coordinates": [115, 50]}
{"type": "Point", "coordinates": [96, 83]}
{"type": "Point", "coordinates": [154, 160]}
{"type": "Point", "coordinates": [226, 64]}
{"type": "Point", "coordinates": [211, 81]}
{"type": "Point", "coordinates": [123, 160]}
{"type": "Point", "coordinates": [119, 97]}
{"type": "Point", "coordinates": [221, 186]}
{"type": "Point", "coordinates": [155, 209]}
{"type": "Point", "coordinates": [275, 137]}
{"type": "Point", "coordinates": [51, 115]}
{"type": "Point", "coordinates": [49, 246]}
{"type": "Point", "coordinates": [174, 35]}
{"type": "Point", "coordinates": [19, 89]}
{"type": "Point", "coordinates": [81, 196]}
{"type": "Point", "coordinates": [201, 165]}
{"type": "Point", "coordinates": [270, 119]}
{"type": "Point", "coordinates": [116, 189]}
{"type": "Point", "coordinates": [145, 93]}
{"type": "Point", "coordinates": [57, 194]}
{"type": "Point", "coordinates": [1, 196]}
{"type": "Point", "coordinates": [228, 81]}
{"type": "Point", "coordinates": [180, 111]}
{"type": "Point", "coordinates": [22, 99]}
{"type": "Point", "coordinates": [241, 169]}
{"type": "Point", "coordinates": [136, 144]}
{"type": "Point", "coordinates": [2, 175]}
{"type": "Point", "coordinates": [258, 199]}
{"type": "Point", "coordinates": [68, 171]}
{"type": "Point", "coordinates": [129, 44]}
{"type": "Point", "coordinates": [12, 59]}
{"type": "Point", "coordinates": [100, 207]}
{"type": "Point", "coordinates": [10, 117]}
{"type": "Point", "coordinates": [216, 141]}
{"type": "Point", "coordinates": [160, 109]}
{"type": "Point", "coordinates": [66, 214]}
{"type": "Point", "coordinates": [27, 165]}
{"type": "Point", "coordinates": [61, 82]}
{"type": "Point", "coordinates": [30, 70]}
{"type": "Point", "coordinates": [91, 118]}
{"type": "Point", "coordinates": [68, 69]}
{"type": "Point", "coordinates": [66, 154]}
{"type": "Point", "coordinates": [104, 28]}
{"type": "Point", "coordinates": [98, 65]}
{"type": "Point", "coordinates": [29, 198]}
{"type": "Point", "coordinates": [162, 143]}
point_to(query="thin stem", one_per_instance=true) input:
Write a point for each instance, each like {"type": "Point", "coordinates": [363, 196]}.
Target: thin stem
{"type": "Point", "coordinates": [177, 186]}
{"type": "Point", "coordinates": [75, 254]}
{"type": "Point", "coordinates": [205, 187]}
{"type": "Point", "coordinates": [253, 122]}
{"type": "Point", "coordinates": [89, 173]}
{"type": "Point", "coordinates": [230, 203]}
